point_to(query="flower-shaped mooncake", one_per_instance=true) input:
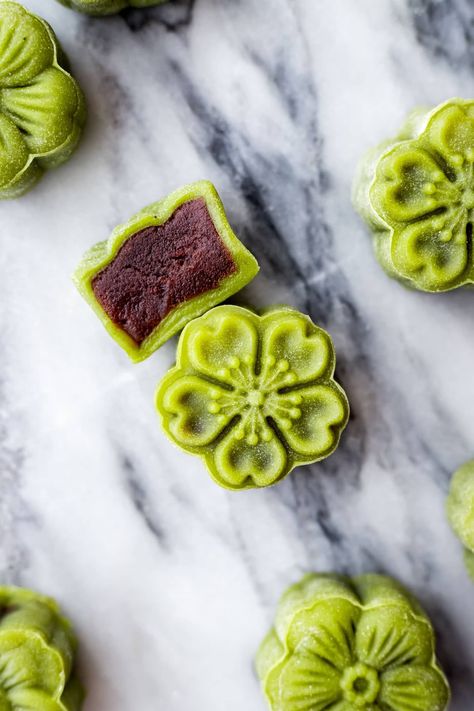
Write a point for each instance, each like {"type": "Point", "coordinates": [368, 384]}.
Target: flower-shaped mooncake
{"type": "Point", "coordinates": [42, 108]}
{"type": "Point", "coordinates": [170, 263]}
{"type": "Point", "coordinates": [107, 7]}
{"type": "Point", "coordinates": [460, 509]}
{"type": "Point", "coordinates": [417, 195]}
{"type": "Point", "coordinates": [253, 395]}
{"type": "Point", "coordinates": [351, 645]}
{"type": "Point", "coordinates": [37, 650]}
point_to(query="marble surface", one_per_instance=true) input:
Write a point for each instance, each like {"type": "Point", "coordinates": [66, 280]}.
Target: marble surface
{"type": "Point", "coordinates": [170, 580]}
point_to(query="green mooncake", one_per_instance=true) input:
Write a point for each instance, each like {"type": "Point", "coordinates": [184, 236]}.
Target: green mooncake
{"type": "Point", "coordinates": [460, 510]}
{"type": "Point", "coordinates": [107, 7]}
{"type": "Point", "coordinates": [37, 649]}
{"type": "Point", "coordinates": [416, 193]}
{"type": "Point", "coordinates": [253, 395]}
{"type": "Point", "coordinates": [42, 110]}
{"type": "Point", "coordinates": [341, 644]}
{"type": "Point", "coordinates": [170, 263]}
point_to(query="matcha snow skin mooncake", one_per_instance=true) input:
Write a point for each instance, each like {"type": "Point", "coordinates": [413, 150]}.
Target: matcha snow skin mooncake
{"type": "Point", "coordinates": [460, 510]}
{"type": "Point", "coordinates": [107, 7]}
{"type": "Point", "coordinates": [416, 193]}
{"type": "Point", "coordinates": [170, 263]}
{"type": "Point", "coordinates": [37, 649]}
{"type": "Point", "coordinates": [42, 110]}
{"type": "Point", "coordinates": [253, 395]}
{"type": "Point", "coordinates": [361, 644]}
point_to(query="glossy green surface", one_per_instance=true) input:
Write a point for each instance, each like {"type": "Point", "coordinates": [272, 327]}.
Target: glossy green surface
{"type": "Point", "coordinates": [156, 214]}
{"type": "Point", "coordinates": [460, 510]}
{"type": "Point", "coordinates": [37, 650]}
{"type": "Point", "coordinates": [42, 110]}
{"type": "Point", "coordinates": [253, 395]}
{"type": "Point", "coordinates": [361, 644]}
{"type": "Point", "coordinates": [107, 7]}
{"type": "Point", "coordinates": [417, 195]}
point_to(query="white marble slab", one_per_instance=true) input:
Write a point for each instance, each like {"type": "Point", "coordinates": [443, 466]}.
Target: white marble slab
{"type": "Point", "coordinates": [171, 581]}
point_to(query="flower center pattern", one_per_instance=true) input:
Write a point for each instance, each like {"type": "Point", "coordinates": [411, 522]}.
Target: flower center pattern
{"type": "Point", "coordinates": [256, 399]}
{"type": "Point", "coordinates": [351, 645]}
{"type": "Point", "coordinates": [418, 196]}
{"type": "Point", "coordinates": [360, 685]}
{"type": "Point", "coordinates": [253, 395]}
{"type": "Point", "coordinates": [36, 653]}
{"type": "Point", "coordinates": [41, 106]}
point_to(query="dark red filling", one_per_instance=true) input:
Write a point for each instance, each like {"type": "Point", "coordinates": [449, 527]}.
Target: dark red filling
{"type": "Point", "coordinates": [161, 267]}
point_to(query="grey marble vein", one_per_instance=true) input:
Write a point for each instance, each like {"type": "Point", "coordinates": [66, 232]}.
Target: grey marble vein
{"type": "Point", "coordinates": [446, 29]}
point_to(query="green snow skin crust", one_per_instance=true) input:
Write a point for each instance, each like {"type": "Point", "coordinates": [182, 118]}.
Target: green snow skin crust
{"type": "Point", "coordinates": [460, 510]}
{"type": "Point", "coordinates": [361, 644]}
{"type": "Point", "coordinates": [37, 649]}
{"type": "Point", "coordinates": [107, 7]}
{"type": "Point", "coordinates": [253, 395]}
{"type": "Point", "coordinates": [42, 109]}
{"type": "Point", "coordinates": [416, 193]}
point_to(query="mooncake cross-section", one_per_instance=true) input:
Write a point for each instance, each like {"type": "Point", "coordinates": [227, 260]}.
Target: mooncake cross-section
{"type": "Point", "coordinates": [169, 264]}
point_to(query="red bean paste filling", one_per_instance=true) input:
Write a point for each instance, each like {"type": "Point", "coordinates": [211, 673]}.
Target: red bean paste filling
{"type": "Point", "coordinates": [161, 267]}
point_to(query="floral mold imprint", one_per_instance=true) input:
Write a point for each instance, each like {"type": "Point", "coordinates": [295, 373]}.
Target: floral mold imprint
{"type": "Point", "coordinates": [351, 645]}
{"type": "Point", "coordinates": [169, 264]}
{"type": "Point", "coordinates": [107, 7]}
{"type": "Point", "coordinates": [42, 109]}
{"type": "Point", "coordinates": [253, 395]}
{"type": "Point", "coordinates": [37, 649]}
{"type": "Point", "coordinates": [460, 510]}
{"type": "Point", "coordinates": [417, 195]}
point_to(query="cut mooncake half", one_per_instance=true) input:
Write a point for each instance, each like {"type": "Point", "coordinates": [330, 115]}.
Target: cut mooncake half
{"type": "Point", "coordinates": [169, 264]}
